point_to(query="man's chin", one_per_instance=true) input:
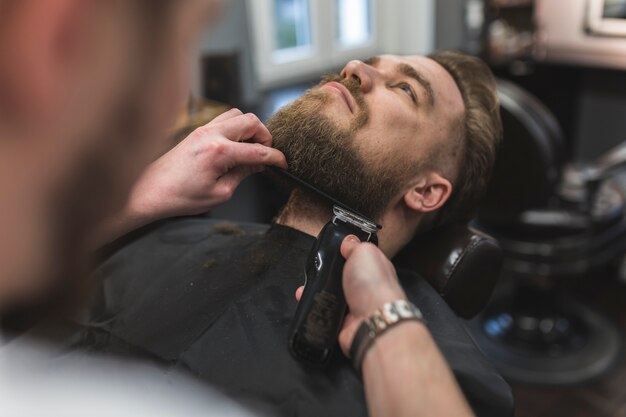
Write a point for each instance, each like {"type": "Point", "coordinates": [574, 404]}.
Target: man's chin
{"type": "Point", "coordinates": [336, 118]}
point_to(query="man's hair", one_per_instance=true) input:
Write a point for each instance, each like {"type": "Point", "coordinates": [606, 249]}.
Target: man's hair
{"type": "Point", "coordinates": [480, 130]}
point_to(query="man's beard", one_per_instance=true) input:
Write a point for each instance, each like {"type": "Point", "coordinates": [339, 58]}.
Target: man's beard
{"type": "Point", "coordinates": [326, 156]}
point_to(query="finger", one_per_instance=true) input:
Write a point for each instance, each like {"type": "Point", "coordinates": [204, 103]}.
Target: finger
{"type": "Point", "coordinates": [226, 115]}
{"type": "Point", "coordinates": [348, 331]}
{"type": "Point", "coordinates": [244, 127]}
{"type": "Point", "coordinates": [247, 160]}
{"type": "Point", "coordinates": [257, 154]}
{"type": "Point", "coordinates": [348, 245]}
{"type": "Point", "coordinates": [235, 176]}
{"type": "Point", "coordinates": [299, 292]}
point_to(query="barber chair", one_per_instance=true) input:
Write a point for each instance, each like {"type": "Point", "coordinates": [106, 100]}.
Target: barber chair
{"type": "Point", "coordinates": [460, 262]}
{"type": "Point", "coordinates": [555, 220]}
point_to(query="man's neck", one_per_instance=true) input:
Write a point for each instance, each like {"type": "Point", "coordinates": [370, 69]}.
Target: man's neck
{"type": "Point", "coordinates": [310, 215]}
{"type": "Point", "coordinates": [304, 213]}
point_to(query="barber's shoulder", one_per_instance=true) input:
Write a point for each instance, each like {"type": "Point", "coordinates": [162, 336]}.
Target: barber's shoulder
{"type": "Point", "coordinates": [185, 231]}
{"type": "Point", "coordinates": [191, 230]}
{"type": "Point", "coordinates": [175, 246]}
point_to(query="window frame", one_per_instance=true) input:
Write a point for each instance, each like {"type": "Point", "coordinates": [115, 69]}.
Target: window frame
{"type": "Point", "coordinates": [325, 54]}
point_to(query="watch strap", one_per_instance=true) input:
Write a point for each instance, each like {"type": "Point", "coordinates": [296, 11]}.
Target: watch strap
{"type": "Point", "coordinates": [388, 316]}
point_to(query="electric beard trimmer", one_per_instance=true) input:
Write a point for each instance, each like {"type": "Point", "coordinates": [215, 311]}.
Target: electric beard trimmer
{"type": "Point", "coordinates": [322, 308]}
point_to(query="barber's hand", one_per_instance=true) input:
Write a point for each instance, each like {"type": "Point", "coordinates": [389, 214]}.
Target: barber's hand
{"type": "Point", "coordinates": [369, 281]}
{"type": "Point", "coordinates": [204, 169]}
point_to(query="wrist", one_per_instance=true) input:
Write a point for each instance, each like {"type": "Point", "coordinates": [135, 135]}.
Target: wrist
{"type": "Point", "coordinates": [136, 208]}
{"type": "Point", "coordinates": [366, 307]}
{"type": "Point", "coordinates": [400, 343]}
{"type": "Point", "coordinates": [125, 220]}
{"type": "Point", "coordinates": [386, 319]}
{"type": "Point", "coordinates": [397, 373]}
{"type": "Point", "coordinates": [142, 205]}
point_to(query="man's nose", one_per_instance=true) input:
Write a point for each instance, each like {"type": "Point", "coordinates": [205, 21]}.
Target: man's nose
{"type": "Point", "coordinates": [361, 72]}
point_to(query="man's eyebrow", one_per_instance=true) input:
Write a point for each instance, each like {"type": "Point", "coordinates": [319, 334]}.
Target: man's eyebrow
{"type": "Point", "coordinates": [409, 71]}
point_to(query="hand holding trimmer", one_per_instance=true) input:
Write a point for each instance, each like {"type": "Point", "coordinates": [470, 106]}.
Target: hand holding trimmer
{"type": "Point", "coordinates": [322, 308]}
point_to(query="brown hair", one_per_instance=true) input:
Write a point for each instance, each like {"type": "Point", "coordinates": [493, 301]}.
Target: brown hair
{"type": "Point", "coordinates": [481, 131]}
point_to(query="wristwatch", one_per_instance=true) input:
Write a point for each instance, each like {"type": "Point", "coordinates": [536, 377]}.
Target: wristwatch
{"type": "Point", "coordinates": [389, 315]}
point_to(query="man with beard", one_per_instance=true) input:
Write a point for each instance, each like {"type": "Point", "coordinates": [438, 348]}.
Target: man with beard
{"type": "Point", "coordinates": [408, 141]}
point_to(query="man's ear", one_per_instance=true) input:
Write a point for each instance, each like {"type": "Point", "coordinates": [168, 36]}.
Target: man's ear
{"type": "Point", "coordinates": [429, 193]}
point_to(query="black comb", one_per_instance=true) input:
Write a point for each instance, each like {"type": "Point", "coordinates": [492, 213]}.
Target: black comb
{"type": "Point", "coordinates": [321, 193]}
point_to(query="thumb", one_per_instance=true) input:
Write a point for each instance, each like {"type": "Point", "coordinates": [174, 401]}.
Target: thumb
{"type": "Point", "coordinates": [299, 292]}
{"type": "Point", "coordinates": [348, 245]}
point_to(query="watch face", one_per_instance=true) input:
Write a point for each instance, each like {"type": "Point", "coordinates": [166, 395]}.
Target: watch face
{"type": "Point", "coordinates": [390, 312]}
{"type": "Point", "coordinates": [379, 322]}
{"type": "Point", "coordinates": [404, 310]}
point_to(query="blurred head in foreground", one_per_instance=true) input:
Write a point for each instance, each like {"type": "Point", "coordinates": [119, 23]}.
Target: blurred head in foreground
{"type": "Point", "coordinates": [87, 90]}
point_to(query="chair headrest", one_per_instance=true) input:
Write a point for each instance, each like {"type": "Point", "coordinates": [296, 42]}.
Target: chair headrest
{"type": "Point", "coordinates": [460, 262]}
{"type": "Point", "coordinates": [529, 159]}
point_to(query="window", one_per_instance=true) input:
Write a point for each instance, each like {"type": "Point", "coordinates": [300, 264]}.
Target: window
{"type": "Point", "coordinates": [292, 33]}
{"type": "Point", "coordinates": [607, 17]}
{"type": "Point", "coordinates": [354, 23]}
{"type": "Point", "coordinates": [296, 39]}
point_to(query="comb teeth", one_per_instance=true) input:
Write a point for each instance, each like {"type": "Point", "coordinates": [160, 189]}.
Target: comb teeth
{"type": "Point", "coordinates": [346, 210]}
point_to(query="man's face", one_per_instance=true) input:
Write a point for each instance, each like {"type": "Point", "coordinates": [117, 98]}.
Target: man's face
{"type": "Point", "coordinates": [366, 135]}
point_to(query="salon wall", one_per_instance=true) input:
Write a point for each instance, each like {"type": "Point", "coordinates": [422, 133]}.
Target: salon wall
{"type": "Point", "coordinates": [600, 66]}
{"type": "Point", "coordinates": [232, 36]}
{"type": "Point", "coordinates": [590, 102]}
{"type": "Point", "coordinates": [601, 113]}
{"type": "Point", "coordinates": [408, 26]}
{"type": "Point", "coordinates": [449, 24]}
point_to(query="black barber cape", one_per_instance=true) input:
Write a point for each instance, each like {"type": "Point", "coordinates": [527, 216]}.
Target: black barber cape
{"type": "Point", "coordinates": [218, 299]}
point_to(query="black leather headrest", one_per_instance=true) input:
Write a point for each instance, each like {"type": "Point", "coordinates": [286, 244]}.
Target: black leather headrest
{"type": "Point", "coordinates": [460, 262]}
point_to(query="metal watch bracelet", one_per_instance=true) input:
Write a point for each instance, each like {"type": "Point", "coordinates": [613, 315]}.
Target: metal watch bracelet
{"type": "Point", "coordinates": [388, 316]}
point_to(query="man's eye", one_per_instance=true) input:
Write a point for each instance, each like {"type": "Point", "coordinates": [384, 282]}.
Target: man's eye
{"type": "Point", "coordinates": [408, 90]}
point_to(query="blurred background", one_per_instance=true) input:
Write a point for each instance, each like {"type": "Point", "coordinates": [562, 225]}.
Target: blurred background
{"type": "Point", "coordinates": [555, 323]}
